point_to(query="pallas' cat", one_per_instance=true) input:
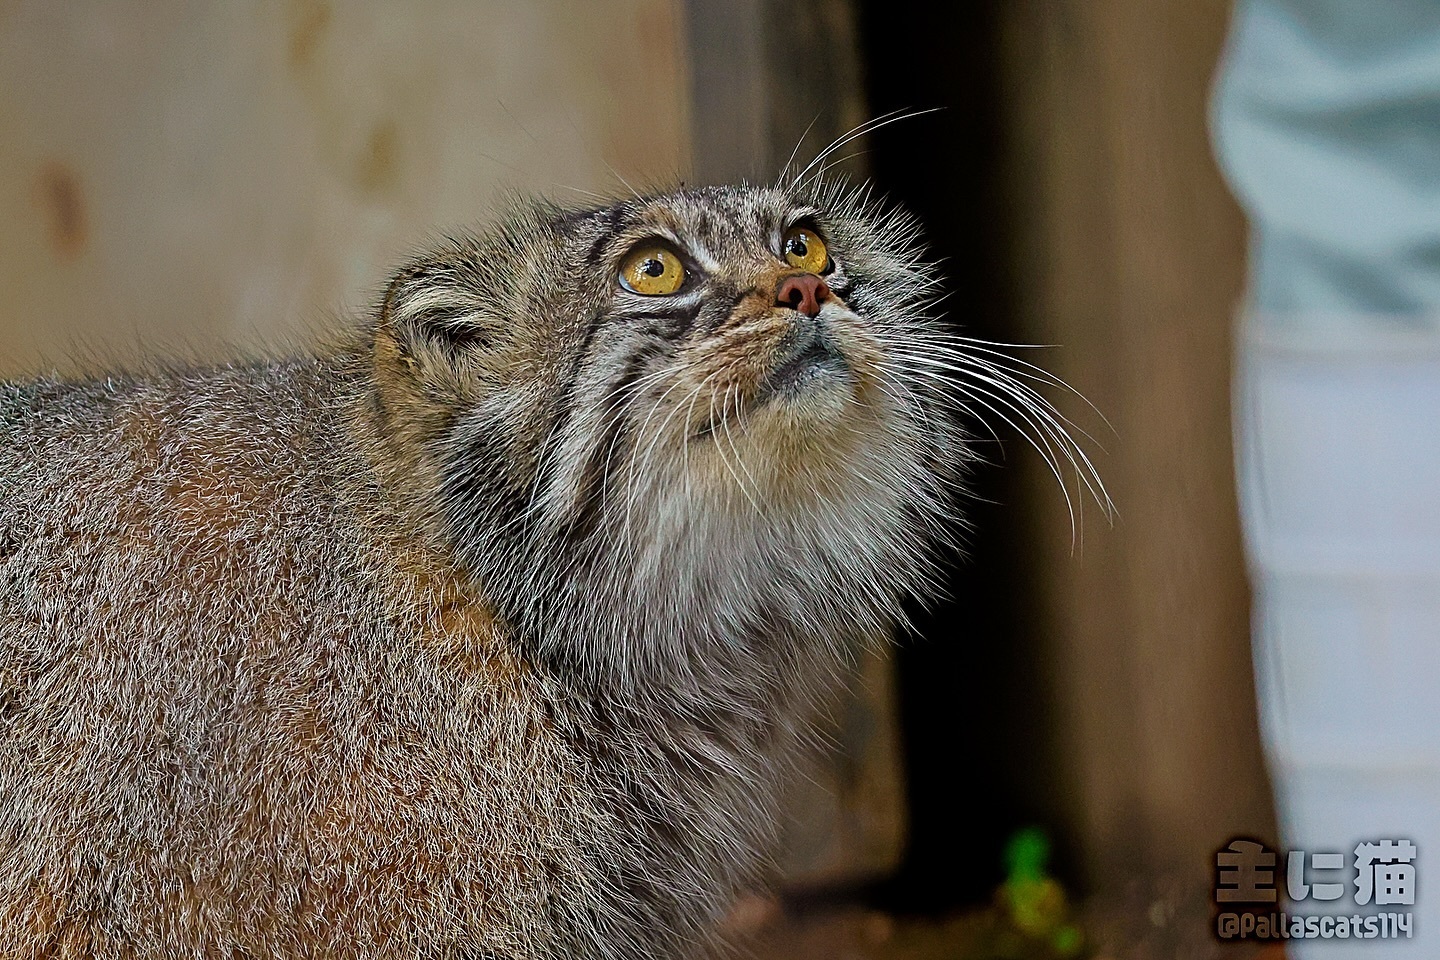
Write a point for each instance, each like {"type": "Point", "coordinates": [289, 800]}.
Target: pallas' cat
{"type": "Point", "coordinates": [492, 631]}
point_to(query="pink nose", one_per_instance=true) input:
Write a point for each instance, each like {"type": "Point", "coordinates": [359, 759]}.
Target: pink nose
{"type": "Point", "coordinates": [804, 292]}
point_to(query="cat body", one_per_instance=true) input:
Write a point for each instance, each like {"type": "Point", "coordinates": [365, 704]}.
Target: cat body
{"type": "Point", "coordinates": [489, 633]}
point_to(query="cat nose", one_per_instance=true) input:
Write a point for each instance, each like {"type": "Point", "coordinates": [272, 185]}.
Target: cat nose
{"type": "Point", "coordinates": [804, 292]}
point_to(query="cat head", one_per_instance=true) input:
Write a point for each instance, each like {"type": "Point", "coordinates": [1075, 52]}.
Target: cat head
{"type": "Point", "coordinates": [677, 419]}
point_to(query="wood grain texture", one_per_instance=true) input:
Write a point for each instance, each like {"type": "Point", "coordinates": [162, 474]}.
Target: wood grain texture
{"type": "Point", "coordinates": [1130, 253]}
{"type": "Point", "coordinates": [179, 178]}
{"type": "Point", "coordinates": [769, 81]}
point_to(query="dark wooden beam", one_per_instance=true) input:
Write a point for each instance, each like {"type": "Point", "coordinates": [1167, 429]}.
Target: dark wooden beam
{"type": "Point", "coordinates": [769, 80]}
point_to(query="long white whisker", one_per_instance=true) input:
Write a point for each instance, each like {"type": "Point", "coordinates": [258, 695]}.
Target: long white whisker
{"type": "Point", "coordinates": [798, 144]}
{"type": "Point", "coordinates": [1041, 446]}
{"type": "Point", "coordinates": [1079, 460]}
{"type": "Point", "coordinates": [1057, 424]}
{"type": "Point", "coordinates": [1003, 379]}
{"type": "Point", "coordinates": [719, 450]}
{"type": "Point", "coordinates": [868, 127]}
{"type": "Point", "coordinates": [1036, 412]}
{"type": "Point", "coordinates": [725, 423]}
{"type": "Point", "coordinates": [994, 349]}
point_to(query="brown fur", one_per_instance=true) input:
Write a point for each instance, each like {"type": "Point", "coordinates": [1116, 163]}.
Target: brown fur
{"type": "Point", "coordinates": [490, 634]}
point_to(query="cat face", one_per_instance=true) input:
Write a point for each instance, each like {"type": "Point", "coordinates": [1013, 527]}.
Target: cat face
{"type": "Point", "coordinates": [743, 333]}
{"type": "Point", "coordinates": [744, 294]}
{"type": "Point", "coordinates": [744, 341]}
{"type": "Point", "coordinates": [630, 407]}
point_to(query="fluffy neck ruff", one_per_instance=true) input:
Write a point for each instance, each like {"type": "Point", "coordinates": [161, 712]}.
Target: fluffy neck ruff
{"type": "Point", "coordinates": [677, 571]}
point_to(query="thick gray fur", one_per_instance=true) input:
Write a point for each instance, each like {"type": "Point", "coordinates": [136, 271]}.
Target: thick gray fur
{"type": "Point", "coordinates": [493, 631]}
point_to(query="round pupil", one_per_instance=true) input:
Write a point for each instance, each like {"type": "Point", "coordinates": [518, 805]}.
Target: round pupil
{"type": "Point", "coordinates": [652, 267]}
{"type": "Point", "coordinates": [797, 246]}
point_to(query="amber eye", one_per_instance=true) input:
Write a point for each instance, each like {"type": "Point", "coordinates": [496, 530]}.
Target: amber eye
{"type": "Point", "coordinates": [804, 249]}
{"type": "Point", "coordinates": [653, 270]}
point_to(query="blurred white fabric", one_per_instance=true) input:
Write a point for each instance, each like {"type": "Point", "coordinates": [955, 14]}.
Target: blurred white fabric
{"type": "Point", "coordinates": [1340, 481]}
{"type": "Point", "coordinates": [1327, 121]}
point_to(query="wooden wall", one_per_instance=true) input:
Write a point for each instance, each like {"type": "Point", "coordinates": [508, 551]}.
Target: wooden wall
{"type": "Point", "coordinates": [199, 174]}
{"type": "Point", "coordinates": [1127, 249]}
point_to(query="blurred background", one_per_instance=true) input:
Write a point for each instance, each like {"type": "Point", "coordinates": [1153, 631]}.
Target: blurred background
{"type": "Point", "coordinates": [206, 178]}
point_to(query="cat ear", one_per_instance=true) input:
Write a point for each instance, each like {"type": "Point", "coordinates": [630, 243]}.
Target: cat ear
{"type": "Point", "coordinates": [429, 307]}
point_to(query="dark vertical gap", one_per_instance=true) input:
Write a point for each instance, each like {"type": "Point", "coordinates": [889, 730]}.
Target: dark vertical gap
{"type": "Point", "coordinates": [974, 712]}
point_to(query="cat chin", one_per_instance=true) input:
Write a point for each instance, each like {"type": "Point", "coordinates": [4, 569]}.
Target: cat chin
{"type": "Point", "coordinates": [792, 462]}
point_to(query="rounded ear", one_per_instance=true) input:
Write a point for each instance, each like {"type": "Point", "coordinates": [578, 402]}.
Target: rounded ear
{"type": "Point", "coordinates": [434, 305]}
{"type": "Point", "coordinates": [436, 332]}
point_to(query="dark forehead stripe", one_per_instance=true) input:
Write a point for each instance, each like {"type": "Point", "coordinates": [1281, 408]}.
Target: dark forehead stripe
{"type": "Point", "coordinates": [606, 222]}
{"type": "Point", "coordinates": [740, 219]}
{"type": "Point", "coordinates": [724, 226]}
{"type": "Point", "coordinates": [764, 220]}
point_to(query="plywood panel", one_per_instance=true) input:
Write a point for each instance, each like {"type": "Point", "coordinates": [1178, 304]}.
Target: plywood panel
{"type": "Point", "coordinates": [175, 172]}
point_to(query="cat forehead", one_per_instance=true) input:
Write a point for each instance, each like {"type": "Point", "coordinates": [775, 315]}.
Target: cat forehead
{"type": "Point", "coordinates": [717, 220]}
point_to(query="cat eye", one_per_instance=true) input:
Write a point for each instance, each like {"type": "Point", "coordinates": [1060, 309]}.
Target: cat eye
{"type": "Point", "coordinates": [652, 270]}
{"type": "Point", "coordinates": [804, 249]}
